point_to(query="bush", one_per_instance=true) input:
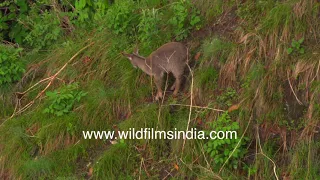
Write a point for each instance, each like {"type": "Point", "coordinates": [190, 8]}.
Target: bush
{"type": "Point", "coordinates": [149, 26]}
{"type": "Point", "coordinates": [121, 16]}
{"type": "Point", "coordinates": [221, 149]}
{"type": "Point", "coordinates": [11, 68]}
{"type": "Point", "coordinates": [184, 18]}
{"type": "Point", "coordinates": [44, 29]}
{"type": "Point", "coordinates": [9, 26]}
{"type": "Point", "coordinates": [62, 102]}
{"type": "Point", "coordinates": [87, 11]}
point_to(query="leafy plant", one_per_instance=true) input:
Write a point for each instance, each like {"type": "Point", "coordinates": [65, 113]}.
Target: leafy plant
{"type": "Point", "coordinates": [148, 26]}
{"type": "Point", "coordinates": [71, 129]}
{"type": "Point", "coordinates": [86, 10]}
{"type": "Point", "coordinates": [44, 29]}
{"type": "Point", "coordinates": [251, 169]}
{"type": "Point", "coordinates": [9, 26]}
{"type": "Point", "coordinates": [62, 102]}
{"type": "Point", "coordinates": [296, 47]}
{"type": "Point", "coordinates": [226, 98]}
{"type": "Point", "coordinates": [221, 149]}
{"type": "Point", "coordinates": [184, 18]}
{"type": "Point", "coordinates": [11, 68]}
{"type": "Point", "coordinates": [121, 16]}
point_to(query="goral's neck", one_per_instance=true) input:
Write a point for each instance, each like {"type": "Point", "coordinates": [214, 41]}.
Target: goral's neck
{"type": "Point", "coordinates": [145, 65]}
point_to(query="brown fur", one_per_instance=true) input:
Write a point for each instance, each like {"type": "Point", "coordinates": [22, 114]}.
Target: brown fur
{"type": "Point", "coordinates": [171, 57]}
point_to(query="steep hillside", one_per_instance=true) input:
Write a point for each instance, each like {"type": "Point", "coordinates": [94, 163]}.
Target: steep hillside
{"type": "Point", "coordinates": [254, 68]}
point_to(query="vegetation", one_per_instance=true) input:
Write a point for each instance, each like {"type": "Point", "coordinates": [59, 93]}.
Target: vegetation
{"type": "Point", "coordinates": [62, 102]}
{"type": "Point", "coordinates": [254, 69]}
{"type": "Point", "coordinates": [221, 149]}
{"type": "Point", "coordinates": [296, 47]}
{"type": "Point", "coordinates": [11, 68]}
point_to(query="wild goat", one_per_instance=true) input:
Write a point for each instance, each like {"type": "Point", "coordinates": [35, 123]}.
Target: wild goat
{"type": "Point", "coordinates": [171, 57]}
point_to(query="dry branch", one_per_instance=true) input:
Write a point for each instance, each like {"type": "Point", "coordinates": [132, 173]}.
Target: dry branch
{"type": "Point", "coordinates": [190, 109]}
{"type": "Point", "coordinates": [50, 79]}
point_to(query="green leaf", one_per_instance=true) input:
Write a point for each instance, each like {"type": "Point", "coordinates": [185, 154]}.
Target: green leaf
{"type": "Point", "coordinates": [194, 20]}
{"type": "Point", "coordinates": [46, 110]}
{"type": "Point", "coordinates": [213, 153]}
{"type": "Point", "coordinates": [82, 4]}
{"type": "Point", "coordinates": [289, 50]}
{"type": "Point", "coordinates": [294, 43]}
{"type": "Point", "coordinates": [23, 5]}
{"type": "Point", "coordinates": [59, 113]}
{"type": "Point", "coordinates": [226, 152]}
{"type": "Point", "coordinates": [301, 40]}
{"type": "Point", "coordinates": [301, 51]}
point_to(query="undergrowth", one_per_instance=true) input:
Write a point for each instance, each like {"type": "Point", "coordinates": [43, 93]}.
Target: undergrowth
{"type": "Point", "coordinates": [246, 80]}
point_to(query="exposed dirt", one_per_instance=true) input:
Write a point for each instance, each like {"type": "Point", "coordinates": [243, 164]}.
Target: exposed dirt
{"type": "Point", "coordinates": [224, 25]}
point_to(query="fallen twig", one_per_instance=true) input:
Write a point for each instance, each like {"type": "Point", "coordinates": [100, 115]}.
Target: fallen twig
{"type": "Point", "coordinates": [50, 79]}
{"type": "Point", "coordinates": [262, 153]}
{"type": "Point", "coordinates": [190, 109]}
{"type": "Point", "coordinates": [200, 107]}
{"type": "Point", "coordinates": [293, 90]}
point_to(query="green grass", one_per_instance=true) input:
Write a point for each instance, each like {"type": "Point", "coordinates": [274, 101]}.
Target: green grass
{"type": "Point", "coordinates": [34, 145]}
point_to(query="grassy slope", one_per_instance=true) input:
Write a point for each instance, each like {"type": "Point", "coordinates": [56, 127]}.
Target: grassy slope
{"type": "Point", "coordinates": [243, 47]}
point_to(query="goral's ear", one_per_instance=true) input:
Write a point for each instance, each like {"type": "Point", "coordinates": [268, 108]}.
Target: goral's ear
{"type": "Point", "coordinates": [129, 56]}
{"type": "Point", "coordinates": [136, 50]}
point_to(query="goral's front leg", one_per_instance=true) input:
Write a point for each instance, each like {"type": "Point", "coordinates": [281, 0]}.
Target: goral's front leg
{"type": "Point", "coordinates": [158, 81]}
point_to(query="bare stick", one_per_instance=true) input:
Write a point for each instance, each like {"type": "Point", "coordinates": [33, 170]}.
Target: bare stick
{"type": "Point", "coordinates": [190, 109]}
{"type": "Point", "coordinates": [145, 169]}
{"type": "Point", "coordinates": [29, 89]}
{"type": "Point", "coordinates": [205, 158]}
{"type": "Point", "coordinates": [262, 153]}
{"type": "Point", "coordinates": [237, 144]}
{"type": "Point", "coordinates": [200, 107]}
{"type": "Point", "coordinates": [317, 72]}
{"type": "Point", "coordinates": [256, 95]}
{"type": "Point", "coordinates": [168, 174]}
{"type": "Point", "coordinates": [50, 79]}
{"type": "Point", "coordinates": [140, 168]}
{"type": "Point", "coordinates": [293, 90]}
{"type": "Point", "coordinates": [162, 99]}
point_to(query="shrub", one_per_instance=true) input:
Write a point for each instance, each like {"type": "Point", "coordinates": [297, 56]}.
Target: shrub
{"type": "Point", "coordinates": [9, 26]}
{"type": "Point", "coordinates": [87, 10]}
{"type": "Point", "coordinates": [227, 97]}
{"type": "Point", "coordinates": [62, 102]}
{"type": "Point", "coordinates": [121, 16]}
{"type": "Point", "coordinates": [11, 68]}
{"type": "Point", "coordinates": [221, 149]}
{"type": "Point", "coordinates": [148, 26]}
{"type": "Point", "coordinates": [44, 29]}
{"type": "Point", "coordinates": [184, 18]}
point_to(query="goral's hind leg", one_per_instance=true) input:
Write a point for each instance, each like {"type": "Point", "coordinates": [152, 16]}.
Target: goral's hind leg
{"type": "Point", "coordinates": [177, 85]}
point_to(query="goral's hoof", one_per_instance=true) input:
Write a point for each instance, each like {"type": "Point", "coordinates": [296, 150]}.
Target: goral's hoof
{"type": "Point", "coordinates": [175, 94]}
{"type": "Point", "coordinates": [158, 96]}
